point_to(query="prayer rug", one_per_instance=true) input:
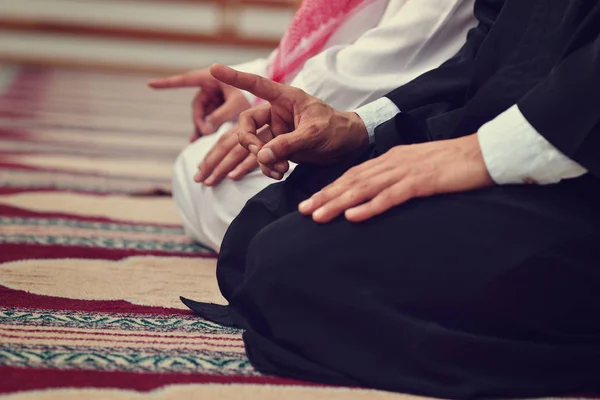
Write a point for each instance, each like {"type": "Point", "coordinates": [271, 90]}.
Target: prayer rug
{"type": "Point", "coordinates": [93, 258]}
{"type": "Point", "coordinates": [92, 255]}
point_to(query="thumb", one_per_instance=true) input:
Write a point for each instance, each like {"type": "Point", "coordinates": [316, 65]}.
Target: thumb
{"type": "Point", "coordinates": [282, 147]}
{"type": "Point", "coordinates": [189, 79]}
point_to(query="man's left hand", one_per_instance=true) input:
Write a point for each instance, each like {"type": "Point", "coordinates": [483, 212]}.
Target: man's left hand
{"type": "Point", "coordinates": [403, 173]}
{"type": "Point", "coordinates": [228, 158]}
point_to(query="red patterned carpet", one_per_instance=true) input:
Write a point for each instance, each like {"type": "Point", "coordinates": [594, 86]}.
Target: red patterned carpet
{"type": "Point", "coordinates": [92, 256]}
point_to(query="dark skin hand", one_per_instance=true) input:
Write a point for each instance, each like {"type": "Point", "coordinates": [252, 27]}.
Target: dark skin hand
{"type": "Point", "coordinates": [306, 130]}
{"type": "Point", "coordinates": [227, 158]}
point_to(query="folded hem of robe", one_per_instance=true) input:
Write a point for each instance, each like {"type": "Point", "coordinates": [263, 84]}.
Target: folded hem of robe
{"type": "Point", "coordinates": [212, 312]}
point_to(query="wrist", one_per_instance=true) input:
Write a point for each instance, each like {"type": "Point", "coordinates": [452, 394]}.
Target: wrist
{"type": "Point", "coordinates": [358, 129]}
{"type": "Point", "coordinates": [471, 150]}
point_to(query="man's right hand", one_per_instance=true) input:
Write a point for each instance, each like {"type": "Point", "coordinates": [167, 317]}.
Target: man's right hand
{"type": "Point", "coordinates": [215, 103]}
{"type": "Point", "coordinates": [305, 129]}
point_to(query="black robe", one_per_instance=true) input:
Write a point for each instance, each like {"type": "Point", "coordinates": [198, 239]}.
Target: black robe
{"type": "Point", "coordinates": [489, 293]}
{"type": "Point", "coordinates": [543, 55]}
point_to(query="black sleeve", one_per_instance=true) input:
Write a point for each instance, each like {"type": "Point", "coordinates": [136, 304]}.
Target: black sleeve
{"type": "Point", "coordinates": [438, 91]}
{"type": "Point", "coordinates": [447, 85]}
{"type": "Point", "coordinates": [565, 107]}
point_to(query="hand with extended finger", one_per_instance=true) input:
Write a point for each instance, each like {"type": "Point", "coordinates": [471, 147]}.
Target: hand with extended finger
{"type": "Point", "coordinates": [305, 129]}
{"type": "Point", "coordinates": [214, 104]}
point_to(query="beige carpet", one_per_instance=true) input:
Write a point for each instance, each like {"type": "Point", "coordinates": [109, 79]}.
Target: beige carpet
{"type": "Point", "coordinates": [92, 256]}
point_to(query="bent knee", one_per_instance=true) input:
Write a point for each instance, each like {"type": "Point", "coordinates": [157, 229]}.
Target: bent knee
{"type": "Point", "coordinates": [291, 244]}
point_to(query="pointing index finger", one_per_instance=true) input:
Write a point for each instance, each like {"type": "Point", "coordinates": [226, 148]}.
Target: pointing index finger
{"type": "Point", "coordinates": [261, 87]}
{"type": "Point", "coordinates": [188, 79]}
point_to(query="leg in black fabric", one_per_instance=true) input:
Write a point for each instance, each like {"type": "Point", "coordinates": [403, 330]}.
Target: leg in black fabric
{"type": "Point", "coordinates": [258, 212]}
{"type": "Point", "coordinates": [490, 293]}
{"type": "Point", "coordinates": [271, 204]}
{"type": "Point", "coordinates": [266, 207]}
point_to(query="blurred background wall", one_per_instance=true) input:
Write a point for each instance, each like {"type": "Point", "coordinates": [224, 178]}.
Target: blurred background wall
{"type": "Point", "coordinates": [140, 35]}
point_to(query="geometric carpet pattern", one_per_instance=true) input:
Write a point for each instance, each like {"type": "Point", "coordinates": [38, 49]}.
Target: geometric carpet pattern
{"type": "Point", "coordinates": [93, 258]}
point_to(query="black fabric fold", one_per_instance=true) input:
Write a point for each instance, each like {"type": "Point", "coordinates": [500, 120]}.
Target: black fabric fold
{"type": "Point", "coordinates": [212, 312]}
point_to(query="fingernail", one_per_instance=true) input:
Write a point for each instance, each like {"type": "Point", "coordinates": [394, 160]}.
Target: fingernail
{"type": "Point", "coordinates": [306, 205]}
{"type": "Point", "coordinates": [276, 175]}
{"type": "Point", "coordinates": [253, 148]}
{"type": "Point", "coordinates": [319, 213]}
{"type": "Point", "coordinates": [197, 176]}
{"type": "Point", "coordinates": [266, 156]}
{"type": "Point", "coordinates": [350, 213]}
{"type": "Point", "coordinates": [209, 181]}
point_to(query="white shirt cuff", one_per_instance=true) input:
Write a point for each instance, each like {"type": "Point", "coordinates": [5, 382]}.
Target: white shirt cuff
{"type": "Point", "coordinates": [515, 152]}
{"type": "Point", "coordinates": [376, 113]}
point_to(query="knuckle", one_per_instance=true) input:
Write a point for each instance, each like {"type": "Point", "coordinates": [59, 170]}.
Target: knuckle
{"type": "Point", "coordinates": [353, 172]}
{"type": "Point", "coordinates": [394, 150]}
{"type": "Point", "coordinates": [284, 146]}
{"type": "Point", "coordinates": [352, 195]}
{"type": "Point", "coordinates": [353, 180]}
{"type": "Point", "coordinates": [319, 197]}
{"type": "Point", "coordinates": [296, 92]}
{"type": "Point", "coordinates": [237, 131]}
{"type": "Point", "coordinates": [384, 198]}
{"type": "Point", "coordinates": [413, 189]}
{"type": "Point", "coordinates": [313, 129]}
{"type": "Point", "coordinates": [362, 187]}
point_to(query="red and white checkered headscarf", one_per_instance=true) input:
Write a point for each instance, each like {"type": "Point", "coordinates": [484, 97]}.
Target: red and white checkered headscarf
{"type": "Point", "coordinates": [312, 26]}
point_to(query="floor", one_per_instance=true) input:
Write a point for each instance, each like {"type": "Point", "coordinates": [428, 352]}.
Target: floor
{"type": "Point", "coordinates": [92, 255]}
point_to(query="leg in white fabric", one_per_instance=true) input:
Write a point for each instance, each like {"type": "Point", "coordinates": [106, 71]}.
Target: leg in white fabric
{"type": "Point", "coordinates": [208, 211]}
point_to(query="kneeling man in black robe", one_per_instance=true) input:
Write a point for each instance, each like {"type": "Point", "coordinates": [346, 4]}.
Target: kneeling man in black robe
{"type": "Point", "coordinates": [443, 240]}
